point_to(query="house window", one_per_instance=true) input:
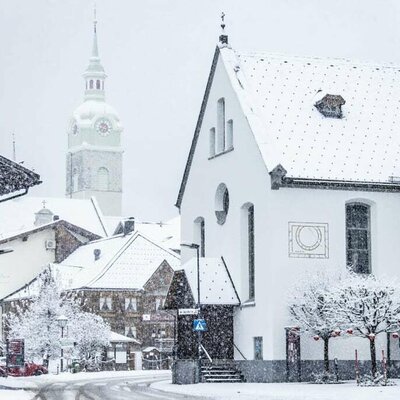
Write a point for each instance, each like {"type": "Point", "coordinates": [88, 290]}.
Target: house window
{"type": "Point", "coordinates": [98, 84]}
{"type": "Point", "coordinates": [221, 203]}
{"type": "Point", "coordinates": [248, 250]}
{"type": "Point", "coordinates": [130, 304]}
{"type": "Point", "coordinates": [159, 303]}
{"type": "Point", "coordinates": [229, 135]}
{"type": "Point", "coordinates": [130, 331]}
{"type": "Point", "coordinates": [200, 235]}
{"type": "Point", "coordinates": [258, 348]}
{"type": "Point", "coordinates": [105, 303]}
{"type": "Point", "coordinates": [212, 142]}
{"type": "Point", "coordinates": [103, 179]}
{"type": "Point", "coordinates": [221, 125]}
{"type": "Point", "coordinates": [358, 237]}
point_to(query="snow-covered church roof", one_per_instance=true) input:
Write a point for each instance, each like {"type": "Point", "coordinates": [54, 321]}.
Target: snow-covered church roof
{"type": "Point", "coordinates": [354, 140]}
{"type": "Point", "coordinates": [279, 93]}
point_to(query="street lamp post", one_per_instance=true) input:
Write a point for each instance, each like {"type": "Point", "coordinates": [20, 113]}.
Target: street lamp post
{"type": "Point", "coordinates": [62, 323]}
{"type": "Point", "coordinates": [197, 247]}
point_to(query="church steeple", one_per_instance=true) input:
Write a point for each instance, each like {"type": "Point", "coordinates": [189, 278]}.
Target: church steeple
{"type": "Point", "coordinates": [94, 75]}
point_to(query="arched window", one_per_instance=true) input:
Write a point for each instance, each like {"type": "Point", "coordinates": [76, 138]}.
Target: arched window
{"type": "Point", "coordinates": [98, 84]}
{"type": "Point", "coordinates": [221, 125]}
{"type": "Point", "coordinates": [130, 331]}
{"type": "Point", "coordinates": [248, 250]}
{"type": "Point", "coordinates": [229, 135]}
{"type": "Point", "coordinates": [91, 84]}
{"type": "Point", "coordinates": [102, 179]}
{"type": "Point", "coordinates": [199, 235]}
{"type": "Point", "coordinates": [212, 142]}
{"type": "Point", "coordinates": [75, 180]}
{"type": "Point", "coordinates": [358, 237]}
{"type": "Point", "coordinates": [221, 203]}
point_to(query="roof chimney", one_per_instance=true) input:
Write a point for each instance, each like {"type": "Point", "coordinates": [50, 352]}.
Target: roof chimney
{"type": "Point", "coordinates": [129, 225]}
{"type": "Point", "coordinates": [96, 253]}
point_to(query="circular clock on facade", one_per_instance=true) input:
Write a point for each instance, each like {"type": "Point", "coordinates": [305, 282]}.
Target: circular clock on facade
{"type": "Point", "coordinates": [103, 127]}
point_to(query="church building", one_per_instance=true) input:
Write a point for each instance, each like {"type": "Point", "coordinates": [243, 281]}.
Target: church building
{"type": "Point", "coordinates": [94, 156]}
{"type": "Point", "coordinates": [294, 168]}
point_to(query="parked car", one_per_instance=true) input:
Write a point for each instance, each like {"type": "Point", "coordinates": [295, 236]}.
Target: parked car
{"type": "Point", "coordinates": [28, 369]}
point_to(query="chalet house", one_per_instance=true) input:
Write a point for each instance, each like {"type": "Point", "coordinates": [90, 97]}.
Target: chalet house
{"type": "Point", "coordinates": [124, 279]}
{"type": "Point", "coordinates": [294, 168]}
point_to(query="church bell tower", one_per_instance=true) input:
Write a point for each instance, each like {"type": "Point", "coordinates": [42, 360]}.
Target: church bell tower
{"type": "Point", "coordinates": [94, 156]}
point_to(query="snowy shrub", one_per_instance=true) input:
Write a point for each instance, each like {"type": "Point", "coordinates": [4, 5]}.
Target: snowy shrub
{"type": "Point", "coordinates": [324, 378]}
{"type": "Point", "coordinates": [368, 306]}
{"type": "Point", "coordinates": [311, 306]}
{"type": "Point", "coordinates": [379, 380]}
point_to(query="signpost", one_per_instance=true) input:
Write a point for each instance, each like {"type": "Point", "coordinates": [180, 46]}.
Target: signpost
{"type": "Point", "coordinates": [15, 353]}
{"type": "Point", "coordinates": [188, 311]}
{"type": "Point", "coordinates": [199, 325]}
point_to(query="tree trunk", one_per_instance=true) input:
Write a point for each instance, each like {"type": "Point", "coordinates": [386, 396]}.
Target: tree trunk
{"type": "Point", "coordinates": [373, 357]}
{"type": "Point", "coordinates": [326, 354]}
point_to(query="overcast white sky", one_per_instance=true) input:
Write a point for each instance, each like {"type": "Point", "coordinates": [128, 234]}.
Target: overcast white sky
{"type": "Point", "coordinates": [157, 54]}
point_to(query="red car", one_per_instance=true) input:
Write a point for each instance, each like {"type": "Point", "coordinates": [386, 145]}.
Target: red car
{"type": "Point", "coordinates": [28, 369]}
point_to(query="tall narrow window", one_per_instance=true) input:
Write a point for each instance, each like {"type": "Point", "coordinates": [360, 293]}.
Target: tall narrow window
{"type": "Point", "coordinates": [229, 135]}
{"type": "Point", "coordinates": [91, 84]}
{"type": "Point", "coordinates": [248, 251]}
{"type": "Point", "coordinates": [212, 142]}
{"type": "Point", "coordinates": [221, 125]}
{"type": "Point", "coordinates": [103, 179]}
{"type": "Point", "coordinates": [358, 237]}
{"type": "Point", "coordinates": [200, 235]}
{"type": "Point", "coordinates": [98, 84]}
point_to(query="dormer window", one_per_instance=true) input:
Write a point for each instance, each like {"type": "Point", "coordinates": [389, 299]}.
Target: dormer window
{"type": "Point", "coordinates": [330, 106]}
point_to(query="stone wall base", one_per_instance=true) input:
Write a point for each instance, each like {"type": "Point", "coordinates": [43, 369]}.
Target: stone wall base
{"type": "Point", "coordinates": [276, 370]}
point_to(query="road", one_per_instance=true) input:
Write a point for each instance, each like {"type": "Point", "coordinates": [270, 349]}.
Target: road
{"type": "Point", "coordinates": [110, 388]}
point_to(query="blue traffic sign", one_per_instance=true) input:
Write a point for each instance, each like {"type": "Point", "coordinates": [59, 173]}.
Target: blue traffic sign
{"type": "Point", "coordinates": [199, 325]}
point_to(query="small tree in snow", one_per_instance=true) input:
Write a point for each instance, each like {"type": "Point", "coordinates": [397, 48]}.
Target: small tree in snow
{"type": "Point", "coordinates": [36, 323]}
{"type": "Point", "coordinates": [369, 306]}
{"type": "Point", "coordinates": [310, 308]}
{"type": "Point", "coordinates": [91, 335]}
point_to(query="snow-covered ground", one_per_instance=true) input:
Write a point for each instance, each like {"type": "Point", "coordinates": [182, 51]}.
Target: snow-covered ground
{"type": "Point", "coordinates": [16, 395]}
{"type": "Point", "coordinates": [282, 391]}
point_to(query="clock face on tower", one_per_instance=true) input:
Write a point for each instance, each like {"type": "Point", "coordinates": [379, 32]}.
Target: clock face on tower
{"type": "Point", "coordinates": [103, 127]}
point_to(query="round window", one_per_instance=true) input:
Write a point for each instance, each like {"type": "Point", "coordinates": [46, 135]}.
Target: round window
{"type": "Point", "coordinates": [221, 203]}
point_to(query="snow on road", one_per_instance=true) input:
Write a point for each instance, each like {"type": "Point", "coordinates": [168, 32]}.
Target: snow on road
{"type": "Point", "coordinates": [281, 391]}
{"type": "Point", "coordinates": [16, 395]}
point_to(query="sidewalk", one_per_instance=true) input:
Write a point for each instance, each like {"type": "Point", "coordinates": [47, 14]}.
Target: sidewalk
{"type": "Point", "coordinates": [282, 391]}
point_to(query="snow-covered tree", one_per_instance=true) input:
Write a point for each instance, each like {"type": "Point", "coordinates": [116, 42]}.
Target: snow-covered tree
{"type": "Point", "coordinates": [310, 307]}
{"type": "Point", "coordinates": [91, 334]}
{"type": "Point", "coordinates": [368, 306]}
{"type": "Point", "coordinates": [36, 322]}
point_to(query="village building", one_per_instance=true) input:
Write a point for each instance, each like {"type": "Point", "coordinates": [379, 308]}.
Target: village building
{"type": "Point", "coordinates": [293, 169]}
{"type": "Point", "coordinates": [124, 279]}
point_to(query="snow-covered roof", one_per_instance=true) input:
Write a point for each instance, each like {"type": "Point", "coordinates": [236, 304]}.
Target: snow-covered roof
{"type": "Point", "coordinates": [18, 215]}
{"type": "Point", "coordinates": [278, 95]}
{"type": "Point", "coordinates": [124, 262]}
{"type": "Point", "coordinates": [216, 286]}
{"type": "Point", "coordinates": [117, 338]}
{"type": "Point", "coordinates": [15, 177]}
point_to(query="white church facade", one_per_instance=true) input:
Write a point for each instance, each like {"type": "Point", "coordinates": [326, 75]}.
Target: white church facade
{"type": "Point", "coordinates": [94, 156]}
{"type": "Point", "coordinates": [287, 153]}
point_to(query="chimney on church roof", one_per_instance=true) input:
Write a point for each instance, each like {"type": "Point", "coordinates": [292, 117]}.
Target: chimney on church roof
{"type": "Point", "coordinates": [223, 37]}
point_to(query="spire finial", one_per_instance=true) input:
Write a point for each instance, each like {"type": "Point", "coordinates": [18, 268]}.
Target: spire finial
{"type": "Point", "coordinates": [223, 37]}
{"type": "Point", "coordinates": [94, 18]}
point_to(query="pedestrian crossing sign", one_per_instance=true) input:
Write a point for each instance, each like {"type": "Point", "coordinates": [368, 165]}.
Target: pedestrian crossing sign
{"type": "Point", "coordinates": [199, 325]}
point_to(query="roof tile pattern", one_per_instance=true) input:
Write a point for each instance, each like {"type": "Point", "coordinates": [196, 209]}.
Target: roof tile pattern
{"type": "Point", "coordinates": [281, 92]}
